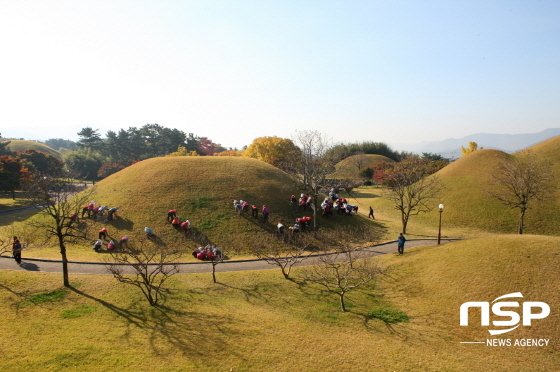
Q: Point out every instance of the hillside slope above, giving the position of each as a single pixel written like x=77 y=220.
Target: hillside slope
x=202 y=190
x=466 y=183
x=16 y=145
x=434 y=281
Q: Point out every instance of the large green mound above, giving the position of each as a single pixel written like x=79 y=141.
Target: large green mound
x=202 y=190
x=468 y=204
x=350 y=167
x=16 y=145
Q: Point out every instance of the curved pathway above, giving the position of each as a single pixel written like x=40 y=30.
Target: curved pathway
x=99 y=268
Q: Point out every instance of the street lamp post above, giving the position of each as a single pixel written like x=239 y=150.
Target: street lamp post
x=439 y=230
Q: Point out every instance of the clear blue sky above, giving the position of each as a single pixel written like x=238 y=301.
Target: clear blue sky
x=392 y=71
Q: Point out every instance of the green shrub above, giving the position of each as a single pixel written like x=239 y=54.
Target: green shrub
x=214 y=221
x=38 y=298
x=388 y=315
x=201 y=202
x=78 y=311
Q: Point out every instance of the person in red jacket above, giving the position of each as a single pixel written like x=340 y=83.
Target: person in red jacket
x=185 y=227
x=123 y=243
x=171 y=215
x=103 y=233
x=73 y=218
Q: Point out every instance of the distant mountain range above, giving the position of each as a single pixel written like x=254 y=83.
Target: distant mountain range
x=451 y=147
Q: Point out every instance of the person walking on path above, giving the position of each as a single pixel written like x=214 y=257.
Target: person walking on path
x=371 y=213
x=16 y=250
x=400 y=244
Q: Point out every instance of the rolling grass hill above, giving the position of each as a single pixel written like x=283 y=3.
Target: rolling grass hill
x=202 y=190
x=16 y=145
x=256 y=321
x=349 y=168
x=468 y=204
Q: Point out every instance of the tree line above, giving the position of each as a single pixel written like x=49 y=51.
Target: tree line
x=98 y=157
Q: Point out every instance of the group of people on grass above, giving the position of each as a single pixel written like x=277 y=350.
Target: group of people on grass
x=177 y=223
x=241 y=206
x=304 y=202
x=331 y=203
x=210 y=252
x=95 y=211
x=339 y=205
x=103 y=235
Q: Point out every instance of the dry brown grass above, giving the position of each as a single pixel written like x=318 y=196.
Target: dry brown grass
x=255 y=321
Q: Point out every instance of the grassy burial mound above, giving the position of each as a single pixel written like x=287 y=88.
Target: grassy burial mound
x=16 y=145
x=548 y=211
x=202 y=190
x=465 y=197
x=350 y=167
x=468 y=204
x=254 y=320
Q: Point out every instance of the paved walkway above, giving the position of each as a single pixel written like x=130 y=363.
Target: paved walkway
x=99 y=268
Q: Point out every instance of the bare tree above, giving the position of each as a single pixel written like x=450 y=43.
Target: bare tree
x=146 y=265
x=342 y=272
x=285 y=254
x=57 y=200
x=411 y=190
x=359 y=160
x=521 y=178
x=312 y=165
x=225 y=253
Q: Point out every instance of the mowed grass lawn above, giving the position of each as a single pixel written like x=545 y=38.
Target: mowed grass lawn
x=258 y=321
x=7 y=202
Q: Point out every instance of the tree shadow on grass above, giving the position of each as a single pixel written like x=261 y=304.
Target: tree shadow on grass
x=186 y=331
x=249 y=293
x=420 y=330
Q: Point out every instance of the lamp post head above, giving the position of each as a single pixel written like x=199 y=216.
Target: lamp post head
x=440 y=207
